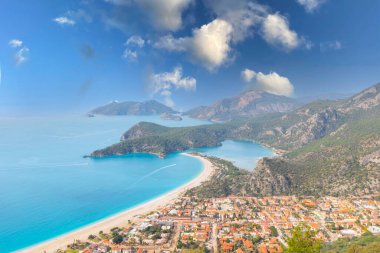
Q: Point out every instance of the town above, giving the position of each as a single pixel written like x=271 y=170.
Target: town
x=237 y=224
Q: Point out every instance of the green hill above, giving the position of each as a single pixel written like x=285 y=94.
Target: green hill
x=364 y=244
x=331 y=147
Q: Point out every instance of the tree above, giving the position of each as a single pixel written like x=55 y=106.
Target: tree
x=117 y=239
x=273 y=231
x=303 y=240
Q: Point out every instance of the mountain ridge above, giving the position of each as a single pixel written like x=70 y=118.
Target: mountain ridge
x=247 y=104
x=330 y=147
x=150 y=107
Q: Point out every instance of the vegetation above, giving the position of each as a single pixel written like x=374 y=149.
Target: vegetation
x=303 y=240
x=367 y=243
x=162 y=140
x=76 y=246
x=273 y=231
x=227 y=180
x=332 y=149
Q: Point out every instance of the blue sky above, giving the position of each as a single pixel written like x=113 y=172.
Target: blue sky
x=68 y=56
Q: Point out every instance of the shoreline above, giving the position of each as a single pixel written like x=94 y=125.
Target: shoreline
x=122 y=218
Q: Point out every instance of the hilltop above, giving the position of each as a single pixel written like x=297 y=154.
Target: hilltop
x=330 y=147
x=151 y=107
x=248 y=104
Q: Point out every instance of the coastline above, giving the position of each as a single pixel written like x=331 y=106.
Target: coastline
x=122 y=218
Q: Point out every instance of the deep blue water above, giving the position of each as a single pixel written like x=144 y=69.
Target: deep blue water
x=47 y=188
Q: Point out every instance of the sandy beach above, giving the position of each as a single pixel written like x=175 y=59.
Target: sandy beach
x=121 y=219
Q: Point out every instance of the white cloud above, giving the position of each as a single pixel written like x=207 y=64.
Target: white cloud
x=209 y=44
x=276 y=31
x=331 y=45
x=64 y=21
x=271 y=83
x=21 y=55
x=164 y=83
x=163 y=14
x=243 y=15
x=212 y=44
x=22 y=51
x=311 y=5
x=248 y=75
x=170 y=43
x=130 y=55
x=275 y=84
x=135 y=40
x=15 y=43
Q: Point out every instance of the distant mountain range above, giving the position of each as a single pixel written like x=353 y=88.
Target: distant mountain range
x=248 y=104
x=150 y=107
x=329 y=147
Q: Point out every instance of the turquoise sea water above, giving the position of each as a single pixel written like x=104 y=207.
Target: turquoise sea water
x=243 y=154
x=47 y=188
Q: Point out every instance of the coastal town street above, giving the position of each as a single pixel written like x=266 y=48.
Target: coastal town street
x=237 y=224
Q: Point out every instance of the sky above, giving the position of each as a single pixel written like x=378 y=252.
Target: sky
x=73 y=55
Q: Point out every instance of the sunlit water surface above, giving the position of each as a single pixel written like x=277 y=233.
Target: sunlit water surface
x=47 y=188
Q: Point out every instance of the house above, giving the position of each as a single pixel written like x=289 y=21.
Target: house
x=227 y=247
x=374 y=229
x=262 y=248
x=239 y=250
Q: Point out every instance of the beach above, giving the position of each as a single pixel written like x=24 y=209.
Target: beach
x=121 y=219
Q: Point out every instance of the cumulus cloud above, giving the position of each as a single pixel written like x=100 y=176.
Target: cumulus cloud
x=248 y=75
x=331 y=45
x=271 y=83
x=22 y=51
x=164 y=83
x=64 y=21
x=311 y=5
x=276 y=31
x=170 y=43
x=209 y=44
x=164 y=14
x=212 y=44
x=15 y=43
x=243 y=15
x=135 y=40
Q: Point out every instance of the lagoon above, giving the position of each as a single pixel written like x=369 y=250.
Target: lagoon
x=47 y=188
x=243 y=154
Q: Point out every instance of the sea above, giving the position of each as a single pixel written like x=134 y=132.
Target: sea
x=47 y=188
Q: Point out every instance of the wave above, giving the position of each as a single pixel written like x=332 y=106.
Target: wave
x=151 y=174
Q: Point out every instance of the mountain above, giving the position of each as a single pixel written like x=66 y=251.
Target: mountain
x=248 y=104
x=146 y=137
x=332 y=148
x=133 y=108
x=329 y=147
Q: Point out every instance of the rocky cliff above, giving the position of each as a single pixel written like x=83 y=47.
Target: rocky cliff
x=248 y=104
